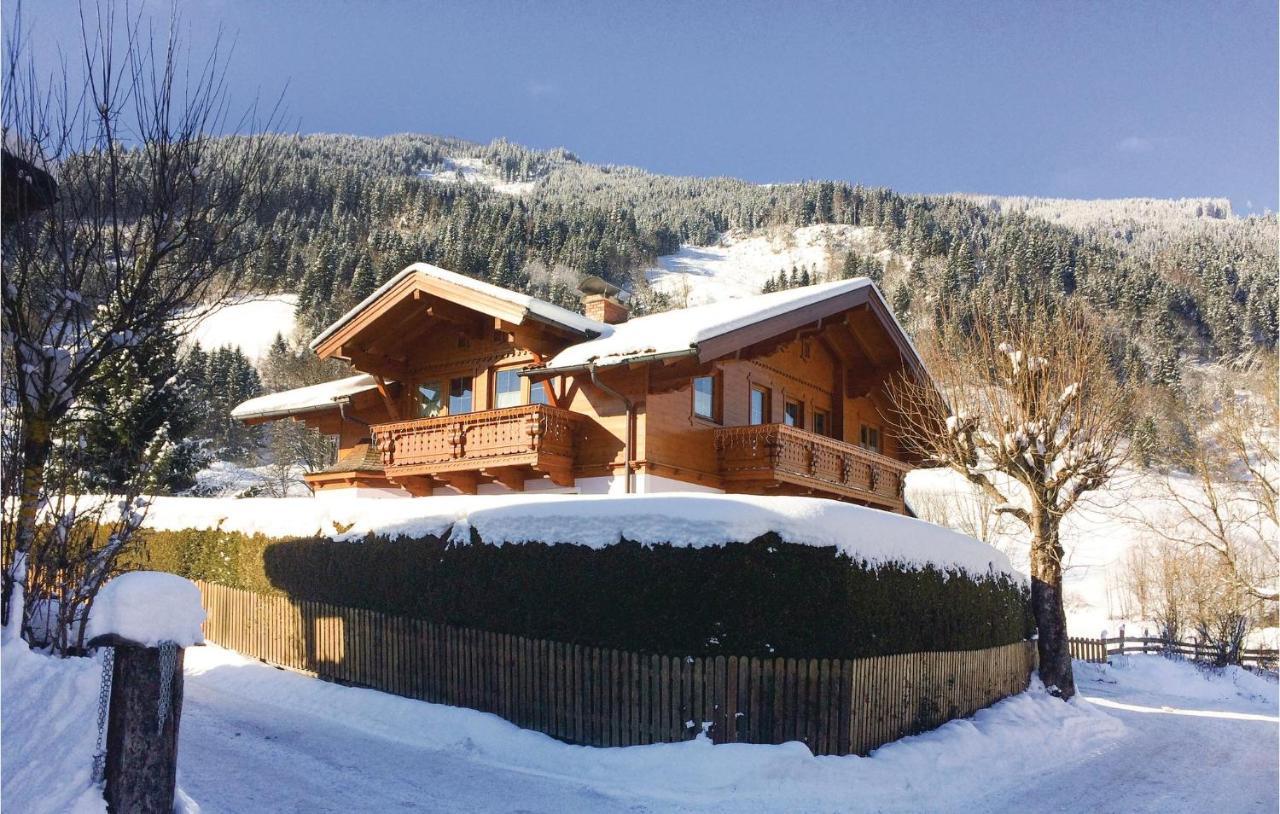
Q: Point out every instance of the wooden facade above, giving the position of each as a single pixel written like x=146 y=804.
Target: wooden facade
x=463 y=400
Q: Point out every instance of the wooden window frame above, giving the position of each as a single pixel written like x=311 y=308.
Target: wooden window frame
x=864 y=435
x=448 y=393
x=826 y=421
x=717 y=398
x=800 y=422
x=526 y=388
x=766 y=411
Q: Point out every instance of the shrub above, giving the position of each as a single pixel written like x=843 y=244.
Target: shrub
x=764 y=597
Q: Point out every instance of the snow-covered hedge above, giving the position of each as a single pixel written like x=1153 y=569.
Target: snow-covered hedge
x=677 y=575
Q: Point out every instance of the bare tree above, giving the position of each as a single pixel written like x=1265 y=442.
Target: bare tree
x=1224 y=495
x=1032 y=416
x=146 y=231
x=969 y=511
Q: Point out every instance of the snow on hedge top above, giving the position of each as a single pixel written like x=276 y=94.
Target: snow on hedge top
x=675 y=331
x=680 y=519
x=149 y=607
x=542 y=309
x=303 y=399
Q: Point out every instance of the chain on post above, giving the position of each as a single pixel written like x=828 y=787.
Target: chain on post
x=104 y=701
x=168 y=663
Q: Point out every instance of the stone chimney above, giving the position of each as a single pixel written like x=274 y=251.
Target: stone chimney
x=600 y=301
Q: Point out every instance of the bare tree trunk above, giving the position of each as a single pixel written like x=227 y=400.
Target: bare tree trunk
x=37 y=444
x=1046 y=604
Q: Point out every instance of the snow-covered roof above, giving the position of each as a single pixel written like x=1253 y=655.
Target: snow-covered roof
x=684 y=520
x=539 y=309
x=303 y=399
x=676 y=332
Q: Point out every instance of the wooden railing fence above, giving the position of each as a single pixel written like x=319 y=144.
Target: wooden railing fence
x=1101 y=650
x=606 y=697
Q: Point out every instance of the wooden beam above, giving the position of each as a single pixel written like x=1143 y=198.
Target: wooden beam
x=512 y=477
x=416 y=485
x=560 y=475
x=376 y=363
x=393 y=409
x=465 y=482
x=545 y=384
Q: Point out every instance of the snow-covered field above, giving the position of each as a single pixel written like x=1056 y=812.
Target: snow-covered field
x=1147 y=735
x=741 y=262
x=250 y=325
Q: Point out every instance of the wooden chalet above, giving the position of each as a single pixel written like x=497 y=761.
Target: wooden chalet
x=465 y=387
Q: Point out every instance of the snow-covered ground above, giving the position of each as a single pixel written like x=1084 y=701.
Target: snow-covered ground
x=1150 y=735
x=474 y=171
x=251 y=325
x=1147 y=734
x=741 y=262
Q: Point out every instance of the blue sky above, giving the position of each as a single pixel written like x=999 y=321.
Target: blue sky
x=1085 y=100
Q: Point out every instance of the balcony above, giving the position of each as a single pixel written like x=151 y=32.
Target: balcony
x=779 y=457
x=507 y=446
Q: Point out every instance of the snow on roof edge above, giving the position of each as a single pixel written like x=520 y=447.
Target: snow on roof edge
x=670 y=332
x=303 y=399
x=546 y=311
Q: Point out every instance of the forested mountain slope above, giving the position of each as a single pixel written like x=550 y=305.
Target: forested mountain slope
x=1191 y=282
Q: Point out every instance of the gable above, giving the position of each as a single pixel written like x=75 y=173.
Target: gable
x=405 y=307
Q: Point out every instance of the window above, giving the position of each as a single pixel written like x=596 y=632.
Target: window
x=821 y=422
x=460 y=395
x=704 y=398
x=793 y=414
x=430 y=401
x=538 y=390
x=508 y=389
x=759 y=413
x=870 y=438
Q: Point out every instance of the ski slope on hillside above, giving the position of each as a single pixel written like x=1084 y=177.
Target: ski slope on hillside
x=461 y=170
x=741 y=262
x=250 y=325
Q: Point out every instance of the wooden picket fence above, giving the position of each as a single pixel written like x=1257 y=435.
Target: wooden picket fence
x=1101 y=650
x=604 y=697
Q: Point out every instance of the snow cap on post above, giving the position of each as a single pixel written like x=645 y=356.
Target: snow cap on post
x=147 y=608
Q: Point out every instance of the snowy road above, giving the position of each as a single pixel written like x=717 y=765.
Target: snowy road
x=1157 y=736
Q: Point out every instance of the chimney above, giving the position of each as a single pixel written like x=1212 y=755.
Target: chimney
x=604 y=309
x=600 y=301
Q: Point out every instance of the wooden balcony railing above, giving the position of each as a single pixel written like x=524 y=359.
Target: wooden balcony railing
x=775 y=454
x=494 y=444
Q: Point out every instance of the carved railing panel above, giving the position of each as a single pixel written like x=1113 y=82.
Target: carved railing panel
x=783 y=453
x=486 y=437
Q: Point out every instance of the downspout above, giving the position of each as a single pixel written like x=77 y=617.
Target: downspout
x=631 y=424
x=342 y=412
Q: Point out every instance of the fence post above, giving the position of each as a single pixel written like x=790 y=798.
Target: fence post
x=141 y=766
x=146 y=618
x=1121 y=640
